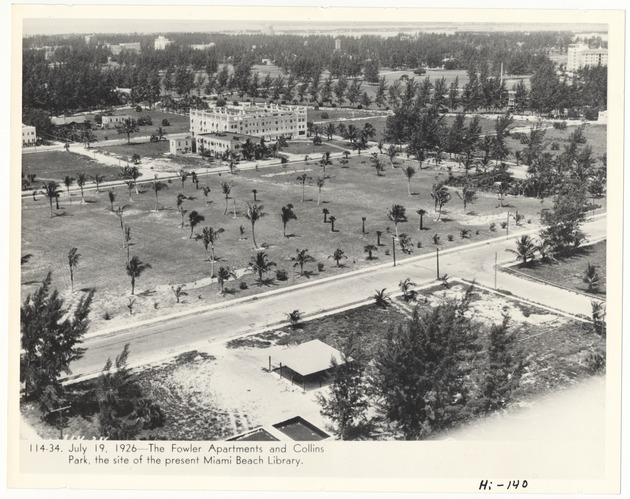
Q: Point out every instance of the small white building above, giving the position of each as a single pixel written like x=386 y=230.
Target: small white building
x=29 y=135
x=203 y=46
x=161 y=42
x=114 y=121
x=181 y=146
x=602 y=117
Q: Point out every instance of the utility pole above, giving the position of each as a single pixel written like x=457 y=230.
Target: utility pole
x=507 y=227
x=495 y=270
x=394 y=249
x=437 y=261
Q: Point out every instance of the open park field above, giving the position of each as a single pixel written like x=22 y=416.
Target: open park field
x=349 y=194
x=55 y=165
x=226 y=389
x=568 y=272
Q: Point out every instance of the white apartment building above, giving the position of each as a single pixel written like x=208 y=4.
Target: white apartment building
x=129 y=47
x=268 y=121
x=579 y=55
x=114 y=121
x=161 y=43
x=29 y=135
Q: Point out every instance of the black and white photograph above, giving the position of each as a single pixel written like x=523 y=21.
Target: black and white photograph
x=257 y=245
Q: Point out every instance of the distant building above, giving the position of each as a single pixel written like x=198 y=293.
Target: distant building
x=259 y=120
x=161 y=43
x=267 y=62
x=114 y=121
x=181 y=146
x=88 y=38
x=268 y=29
x=203 y=46
x=128 y=47
x=219 y=143
x=337 y=44
x=29 y=135
x=580 y=55
x=67 y=120
x=511 y=99
x=602 y=117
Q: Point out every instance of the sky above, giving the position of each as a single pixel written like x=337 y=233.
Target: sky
x=85 y=26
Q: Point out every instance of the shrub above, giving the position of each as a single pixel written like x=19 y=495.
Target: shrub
x=596 y=361
x=334 y=104
x=560 y=125
x=243 y=285
x=316 y=108
x=282 y=275
x=493 y=227
x=419 y=245
x=360 y=106
x=555 y=146
x=107 y=316
x=235 y=102
x=324 y=115
x=503 y=225
x=450 y=237
x=138 y=109
x=165 y=122
x=320 y=266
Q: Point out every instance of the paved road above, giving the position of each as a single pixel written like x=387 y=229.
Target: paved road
x=476 y=261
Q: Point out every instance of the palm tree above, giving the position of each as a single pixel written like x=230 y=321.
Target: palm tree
x=332 y=220
x=338 y=255
x=261 y=265
x=391 y=154
x=182 y=177
x=194 y=219
x=303 y=178
x=87 y=136
x=157 y=187
x=330 y=130
x=546 y=251
x=301 y=258
x=73 y=263
x=127 y=232
x=128 y=127
x=421 y=213
x=254 y=192
x=135 y=267
x=180 y=207
x=68 y=181
x=52 y=191
x=111 y=193
x=81 y=180
x=134 y=173
x=441 y=196
x=467 y=196
x=178 y=291
x=369 y=249
x=254 y=213
x=287 y=214
x=160 y=133
x=380 y=298
x=226 y=188
x=408 y=293
x=209 y=236
x=325 y=212
x=320 y=183
x=397 y=215
x=224 y=275
x=206 y=191
x=129 y=189
x=591 y=277
x=25 y=258
x=294 y=318
x=97 y=179
x=525 y=249
x=409 y=172
x=119 y=213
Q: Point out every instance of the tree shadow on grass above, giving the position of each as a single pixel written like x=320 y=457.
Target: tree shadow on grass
x=63 y=214
x=446 y=219
x=307 y=273
x=269 y=281
x=90 y=201
x=290 y=236
x=147 y=292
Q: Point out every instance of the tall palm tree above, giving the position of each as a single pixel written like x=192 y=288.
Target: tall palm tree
x=301 y=258
x=254 y=213
x=81 y=180
x=182 y=177
x=421 y=213
x=127 y=127
x=180 y=207
x=157 y=187
x=129 y=184
x=73 y=263
x=206 y=191
x=209 y=236
x=409 y=172
x=320 y=183
x=226 y=188
x=380 y=298
x=441 y=196
x=260 y=264
x=391 y=154
x=591 y=277
x=97 y=179
x=135 y=267
x=302 y=179
x=160 y=133
x=194 y=219
x=325 y=212
x=338 y=255
x=467 y=196
x=224 y=275
x=287 y=214
x=397 y=215
x=127 y=232
x=525 y=249
x=87 y=136
x=52 y=191
x=332 y=220
x=111 y=193
x=119 y=213
x=68 y=181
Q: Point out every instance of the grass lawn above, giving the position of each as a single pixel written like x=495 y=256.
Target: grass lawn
x=349 y=194
x=307 y=147
x=334 y=114
x=144 y=149
x=568 y=272
x=55 y=165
